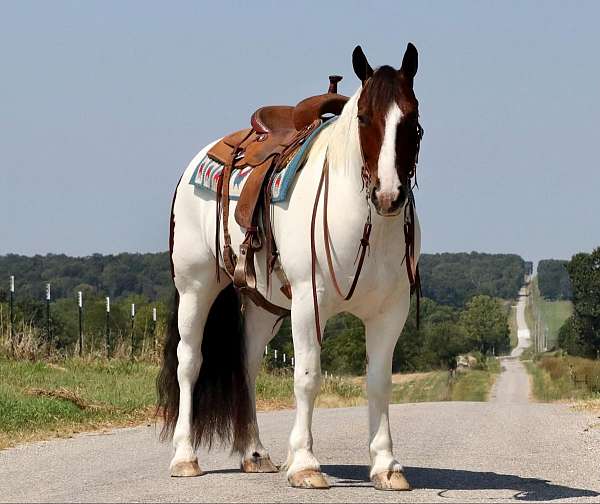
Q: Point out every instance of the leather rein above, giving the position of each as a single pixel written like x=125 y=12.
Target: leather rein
x=412 y=267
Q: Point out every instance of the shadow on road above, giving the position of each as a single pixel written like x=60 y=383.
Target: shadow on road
x=448 y=480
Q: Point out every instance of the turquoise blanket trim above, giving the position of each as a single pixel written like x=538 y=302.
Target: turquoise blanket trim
x=295 y=164
x=206 y=174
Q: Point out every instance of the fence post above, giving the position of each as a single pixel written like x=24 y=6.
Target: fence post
x=80 y=309
x=107 y=328
x=48 y=332
x=12 y=314
x=132 y=327
x=154 y=330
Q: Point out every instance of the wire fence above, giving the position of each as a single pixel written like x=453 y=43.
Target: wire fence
x=94 y=326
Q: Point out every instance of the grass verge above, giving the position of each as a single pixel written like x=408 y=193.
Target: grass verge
x=470 y=385
x=40 y=400
x=557 y=377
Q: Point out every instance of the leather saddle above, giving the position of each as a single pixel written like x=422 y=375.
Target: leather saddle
x=276 y=133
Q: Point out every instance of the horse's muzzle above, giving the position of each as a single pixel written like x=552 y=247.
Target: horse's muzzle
x=388 y=204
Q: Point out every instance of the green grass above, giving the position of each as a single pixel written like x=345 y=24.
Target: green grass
x=471 y=385
x=40 y=399
x=552 y=313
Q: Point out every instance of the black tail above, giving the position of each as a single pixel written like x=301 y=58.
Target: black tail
x=221 y=402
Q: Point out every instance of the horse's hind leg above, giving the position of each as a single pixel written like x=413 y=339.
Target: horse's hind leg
x=194 y=305
x=259 y=328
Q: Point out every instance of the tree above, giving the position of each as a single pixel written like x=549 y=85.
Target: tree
x=553 y=279
x=569 y=338
x=584 y=271
x=486 y=324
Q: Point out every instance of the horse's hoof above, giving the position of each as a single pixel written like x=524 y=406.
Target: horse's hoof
x=259 y=465
x=309 y=478
x=186 y=469
x=391 y=480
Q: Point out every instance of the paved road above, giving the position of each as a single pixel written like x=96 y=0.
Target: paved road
x=506 y=450
x=451 y=451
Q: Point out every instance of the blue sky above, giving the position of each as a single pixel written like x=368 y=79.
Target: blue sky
x=102 y=105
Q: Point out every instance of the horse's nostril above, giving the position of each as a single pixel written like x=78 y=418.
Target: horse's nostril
x=402 y=195
x=374 y=196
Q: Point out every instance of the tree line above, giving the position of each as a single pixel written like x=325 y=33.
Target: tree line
x=454 y=278
x=460 y=312
x=449 y=278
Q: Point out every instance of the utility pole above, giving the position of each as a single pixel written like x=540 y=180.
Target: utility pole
x=107 y=327
x=80 y=309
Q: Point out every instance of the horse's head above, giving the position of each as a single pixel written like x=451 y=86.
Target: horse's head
x=389 y=131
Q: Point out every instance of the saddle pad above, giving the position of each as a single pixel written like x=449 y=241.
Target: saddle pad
x=208 y=172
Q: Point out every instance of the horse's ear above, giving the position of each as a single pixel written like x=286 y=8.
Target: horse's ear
x=362 y=69
x=410 y=62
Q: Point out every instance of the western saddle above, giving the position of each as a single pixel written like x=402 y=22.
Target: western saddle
x=275 y=135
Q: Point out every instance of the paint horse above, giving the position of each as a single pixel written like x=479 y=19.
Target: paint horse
x=214 y=349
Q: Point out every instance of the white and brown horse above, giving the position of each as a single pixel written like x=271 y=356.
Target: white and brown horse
x=213 y=353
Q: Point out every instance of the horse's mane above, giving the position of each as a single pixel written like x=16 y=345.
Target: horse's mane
x=343 y=146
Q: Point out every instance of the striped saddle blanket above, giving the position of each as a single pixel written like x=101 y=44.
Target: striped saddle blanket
x=208 y=172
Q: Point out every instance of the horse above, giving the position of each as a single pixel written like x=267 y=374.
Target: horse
x=216 y=339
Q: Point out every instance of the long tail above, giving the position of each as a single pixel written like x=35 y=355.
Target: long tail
x=221 y=402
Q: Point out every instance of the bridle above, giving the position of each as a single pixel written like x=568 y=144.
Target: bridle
x=412 y=268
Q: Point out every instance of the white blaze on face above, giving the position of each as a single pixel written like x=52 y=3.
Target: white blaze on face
x=389 y=183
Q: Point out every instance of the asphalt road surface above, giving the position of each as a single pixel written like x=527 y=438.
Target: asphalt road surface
x=505 y=450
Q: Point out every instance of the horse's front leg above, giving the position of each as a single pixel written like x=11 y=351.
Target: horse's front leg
x=382 y=332
x=303 y=469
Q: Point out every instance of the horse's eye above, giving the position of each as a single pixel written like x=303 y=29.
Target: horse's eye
x=363 y=120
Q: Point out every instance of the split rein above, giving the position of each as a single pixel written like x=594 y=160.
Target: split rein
x=412 y=268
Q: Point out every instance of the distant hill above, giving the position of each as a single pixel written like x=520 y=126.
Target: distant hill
x=116 y=276
x=446 y=278
x=453 y=279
